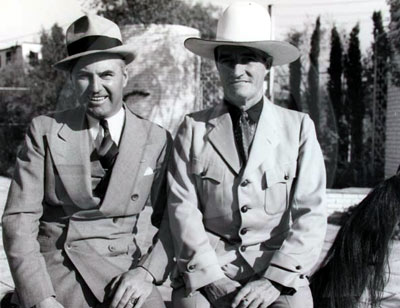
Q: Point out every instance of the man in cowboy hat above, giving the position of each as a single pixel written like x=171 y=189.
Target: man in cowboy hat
x=247 y=181
x=82 y=178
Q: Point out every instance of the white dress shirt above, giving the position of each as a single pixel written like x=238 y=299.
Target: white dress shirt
x=115 y=124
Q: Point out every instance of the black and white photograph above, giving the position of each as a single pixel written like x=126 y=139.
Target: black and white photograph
x=200 y=154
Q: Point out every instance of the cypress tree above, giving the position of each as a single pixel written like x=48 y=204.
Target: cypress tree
x=354 y=98
x=313 y=75
x=335 y=91
x=295 y=75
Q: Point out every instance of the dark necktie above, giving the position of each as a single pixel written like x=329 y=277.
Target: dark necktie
x=247 y=130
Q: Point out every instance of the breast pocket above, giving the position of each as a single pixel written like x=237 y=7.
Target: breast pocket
x=278 y=183
x=208 y=178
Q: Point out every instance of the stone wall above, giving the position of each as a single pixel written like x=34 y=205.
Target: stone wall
x=164 y=82
x=341 y=199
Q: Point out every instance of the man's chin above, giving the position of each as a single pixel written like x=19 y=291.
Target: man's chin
x=96 y=112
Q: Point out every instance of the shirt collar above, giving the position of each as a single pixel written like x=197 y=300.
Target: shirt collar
x=115 y=124
x=254 y=111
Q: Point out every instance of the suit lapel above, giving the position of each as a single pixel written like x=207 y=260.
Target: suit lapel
x=265 y=140
x=70 y=152
x=124 y=175
x=221 y=136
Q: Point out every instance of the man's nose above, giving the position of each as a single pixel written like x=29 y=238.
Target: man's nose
x=238 y=69
x=95 y=84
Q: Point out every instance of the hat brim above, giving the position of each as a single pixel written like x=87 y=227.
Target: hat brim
x=125 y=51
x=281 y=52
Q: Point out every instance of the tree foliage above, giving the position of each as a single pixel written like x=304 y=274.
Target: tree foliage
x=295 y=75
x=394 y=34
x=354 y=96
x=17 y=108
x=159 y=12
x=44 y=81
x=335 y=92
x=377 y=106
x=313 y=75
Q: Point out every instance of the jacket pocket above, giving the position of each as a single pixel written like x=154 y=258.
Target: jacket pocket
x=278 y=183
x=207 y=172
x=208 y=178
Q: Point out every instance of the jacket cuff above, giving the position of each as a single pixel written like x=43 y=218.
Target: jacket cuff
x=286 y=271
x=32 y=298
x=200 y=271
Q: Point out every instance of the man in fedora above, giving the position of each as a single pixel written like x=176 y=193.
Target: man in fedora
x=247 y=181
x=81 y=181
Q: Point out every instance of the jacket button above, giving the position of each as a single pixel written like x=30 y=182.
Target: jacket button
x=302 y=276
x=243 y=248
x=134 y=197
x=111 y=248
x=68 y=246
x=243 y=231
x=286 y=177
x=244 y=209
x=203 y=173
x=245 y=183
x=298 y=267
x=191 y=267
x=115 y=220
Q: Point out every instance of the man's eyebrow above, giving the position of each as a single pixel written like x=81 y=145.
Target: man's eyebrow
x=81 y=71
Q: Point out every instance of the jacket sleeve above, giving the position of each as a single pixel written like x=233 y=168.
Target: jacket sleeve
x=291 y=264
x=196 y=259
x=21 y=222
x=158 y=261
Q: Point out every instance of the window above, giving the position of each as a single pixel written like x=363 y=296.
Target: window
x=33 y=58
x=9 y=57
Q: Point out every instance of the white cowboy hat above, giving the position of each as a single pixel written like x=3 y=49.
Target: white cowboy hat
x=247 y=24
x=91 y=34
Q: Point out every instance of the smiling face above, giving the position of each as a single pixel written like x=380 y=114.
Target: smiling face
x=98 y=82
x=242 y=71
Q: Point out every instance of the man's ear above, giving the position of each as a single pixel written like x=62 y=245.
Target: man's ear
x=125 y=75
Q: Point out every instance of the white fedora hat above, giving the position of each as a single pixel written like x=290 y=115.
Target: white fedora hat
x=248 y=24
x=92 y=34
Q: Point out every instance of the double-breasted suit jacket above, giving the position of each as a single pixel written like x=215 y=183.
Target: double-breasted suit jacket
x=271 y=212
x=51 y=218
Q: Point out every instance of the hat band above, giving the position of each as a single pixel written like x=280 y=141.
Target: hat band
x=93 y=42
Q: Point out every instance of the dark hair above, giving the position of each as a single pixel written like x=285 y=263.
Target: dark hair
x=358 y=258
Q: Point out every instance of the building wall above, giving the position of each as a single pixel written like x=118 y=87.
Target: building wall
x=20 y=54
x=164 y=78
x=339 y=200
x=392 y=148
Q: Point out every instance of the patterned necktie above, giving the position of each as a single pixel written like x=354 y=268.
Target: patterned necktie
x=247 y=130
x=106 y=154
x=108 y=150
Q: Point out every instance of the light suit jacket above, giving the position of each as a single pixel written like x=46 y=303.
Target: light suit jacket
x=272 y=212
x=50 y=213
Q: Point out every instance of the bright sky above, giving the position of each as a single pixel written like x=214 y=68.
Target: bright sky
x=22 y=18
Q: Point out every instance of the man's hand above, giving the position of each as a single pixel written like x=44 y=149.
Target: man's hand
x=256 y=294
x=220 y=293
x=131 y=288
x=49 y=302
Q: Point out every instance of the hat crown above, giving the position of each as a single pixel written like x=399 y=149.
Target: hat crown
x=92 y=25
x=244 y=21
x=92 y=34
